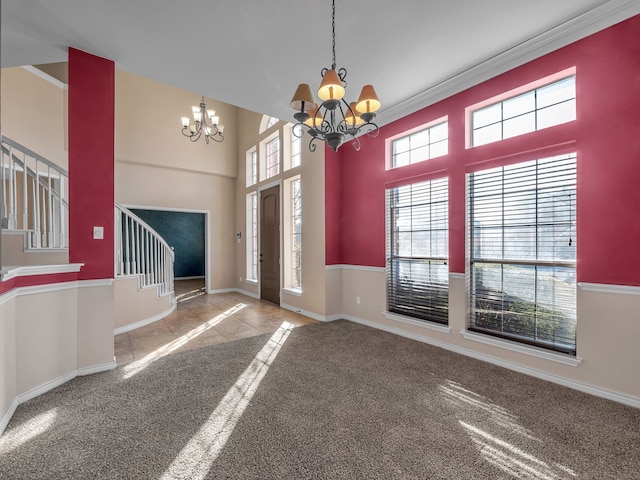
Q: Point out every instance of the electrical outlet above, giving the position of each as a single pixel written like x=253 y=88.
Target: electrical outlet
x=240 y=279
x=358 y=300
x=98 y=233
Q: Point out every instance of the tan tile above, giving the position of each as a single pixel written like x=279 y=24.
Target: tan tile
x=154 y=329
x=203 y=341
x=235 y=329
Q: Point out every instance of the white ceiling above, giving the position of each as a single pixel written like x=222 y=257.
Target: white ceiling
x=253 y=53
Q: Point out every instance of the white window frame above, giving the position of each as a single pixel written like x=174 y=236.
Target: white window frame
x=533 y=113
x=504 y=300
x=423 y=151
x=264 y=160
x=251 y=242
x=293 y=258
x=418 y=296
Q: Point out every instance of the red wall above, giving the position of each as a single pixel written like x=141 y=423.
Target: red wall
x=91 y=163
x=606 y=136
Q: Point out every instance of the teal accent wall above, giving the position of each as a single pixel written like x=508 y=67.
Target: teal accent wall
x=184 y=231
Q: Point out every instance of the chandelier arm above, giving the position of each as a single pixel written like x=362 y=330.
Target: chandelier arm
x=312 y=146
x=356 y=144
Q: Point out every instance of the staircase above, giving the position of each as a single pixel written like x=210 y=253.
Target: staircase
x=34 y=213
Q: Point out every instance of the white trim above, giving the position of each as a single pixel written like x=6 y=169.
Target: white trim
x=7 y=416
x=104 y=367
x=51 y=384
x=456 y=276
x=29 y=270
x=169 y=167
x=590 y=22
x=45 y=387
x=307 y=313
x=45 y=76
x=251 y=281
x=222 y=290
x=266 y=186
x=522 y=348
x=146 y=321
x=574 y=384
x=608 y=288
x=417 y=323
x=247 y=293
x=292 y=291
x=107 y=282
x=364 y=268
x=52 y=287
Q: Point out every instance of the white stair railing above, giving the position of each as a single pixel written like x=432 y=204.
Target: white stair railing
x=141 y=251
x=33 y=196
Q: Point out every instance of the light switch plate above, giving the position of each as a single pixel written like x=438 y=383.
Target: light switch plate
x=98 y=233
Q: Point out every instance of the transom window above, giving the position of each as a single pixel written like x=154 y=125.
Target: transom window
x=423 y=145
x=252 y=167
x=536 y=109
x=272 y=154
x=296 y=145
x=522 y=249
x=418 y=250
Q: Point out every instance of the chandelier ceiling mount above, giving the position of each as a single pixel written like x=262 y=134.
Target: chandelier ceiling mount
x=335 y=120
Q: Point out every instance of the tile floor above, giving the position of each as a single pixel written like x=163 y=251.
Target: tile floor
x=200 y=320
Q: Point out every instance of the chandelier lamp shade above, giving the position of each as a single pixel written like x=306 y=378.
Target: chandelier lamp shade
x=334 y=120
x=204 y=123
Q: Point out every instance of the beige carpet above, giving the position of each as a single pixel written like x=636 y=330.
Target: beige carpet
x=337 y=400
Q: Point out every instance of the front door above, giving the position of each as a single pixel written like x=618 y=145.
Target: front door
x=270 y=245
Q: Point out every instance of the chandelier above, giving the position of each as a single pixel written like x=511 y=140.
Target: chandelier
x=334 y=121
x=204 y=122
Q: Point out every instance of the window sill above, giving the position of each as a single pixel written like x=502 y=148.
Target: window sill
x=521 y=348
x=293 y=291
x=251 y=281
x=418 y=323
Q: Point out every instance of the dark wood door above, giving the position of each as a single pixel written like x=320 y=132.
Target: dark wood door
x=270 y=245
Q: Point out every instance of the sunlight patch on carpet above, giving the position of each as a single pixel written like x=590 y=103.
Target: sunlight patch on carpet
x=30 y=429
x=135 y=367
x=198 y=455
x=513 y=460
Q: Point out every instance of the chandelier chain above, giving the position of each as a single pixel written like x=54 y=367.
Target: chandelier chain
x=333 y=33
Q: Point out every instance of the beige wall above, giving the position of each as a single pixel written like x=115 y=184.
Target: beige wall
x=33 y=113
x=8 y=392
x=610 y=358
x=51 y=333
x=132 y=305
x=156 y=166
x=311 y=172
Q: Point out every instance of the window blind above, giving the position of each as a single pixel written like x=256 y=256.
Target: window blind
x=417 y=250
x=522 y=252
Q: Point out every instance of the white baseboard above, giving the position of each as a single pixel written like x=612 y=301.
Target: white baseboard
x=146 y=321
x=8 y=415
x=104 y=367
x=50 y=385
x=567 y=382
x=307 y=313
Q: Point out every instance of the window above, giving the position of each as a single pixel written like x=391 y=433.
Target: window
x=296 y=233
x=266 y=123
x=522 y=252
x=296 y=145
x=536 y=109
x=417 y=250
x=252 y=236
x=272 y=157
x=252 y=167
x=422 y=145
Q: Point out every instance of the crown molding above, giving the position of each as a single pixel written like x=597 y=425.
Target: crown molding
x=590 y=22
